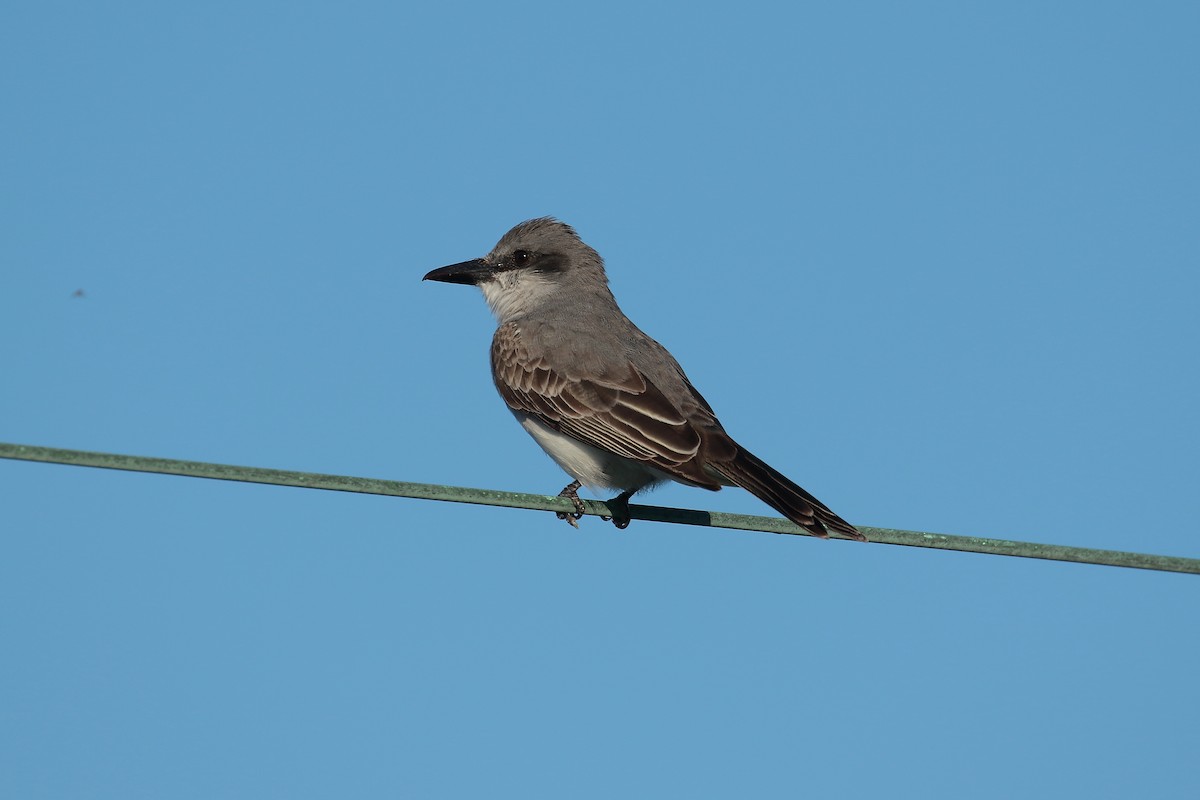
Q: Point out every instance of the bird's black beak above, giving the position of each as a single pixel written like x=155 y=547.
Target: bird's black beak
x=468 y=272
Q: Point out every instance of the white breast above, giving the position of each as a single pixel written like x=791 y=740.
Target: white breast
x=595 y=468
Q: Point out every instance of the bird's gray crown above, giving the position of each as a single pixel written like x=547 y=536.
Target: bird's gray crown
x=537 y=232
x=544 y=245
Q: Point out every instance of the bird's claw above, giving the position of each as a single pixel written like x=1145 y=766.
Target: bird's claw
x=619 y=505
x=571 y=492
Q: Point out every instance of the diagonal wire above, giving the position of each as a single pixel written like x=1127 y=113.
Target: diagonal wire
x=538 y=502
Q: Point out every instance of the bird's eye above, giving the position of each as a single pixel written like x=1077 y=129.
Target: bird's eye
x=521 y=257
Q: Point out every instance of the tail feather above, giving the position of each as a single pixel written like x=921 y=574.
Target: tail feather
x=767 y=484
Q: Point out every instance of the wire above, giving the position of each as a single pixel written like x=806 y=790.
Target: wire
x=538 y=502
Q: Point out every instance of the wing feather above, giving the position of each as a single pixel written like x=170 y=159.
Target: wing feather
x=622 y=411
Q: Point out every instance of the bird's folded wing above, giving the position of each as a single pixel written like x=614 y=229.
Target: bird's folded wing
x=620 y=410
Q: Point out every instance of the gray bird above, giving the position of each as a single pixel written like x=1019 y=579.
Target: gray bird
x=609 y=404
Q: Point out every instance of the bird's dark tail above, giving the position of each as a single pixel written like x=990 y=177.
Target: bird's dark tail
x=760 y=479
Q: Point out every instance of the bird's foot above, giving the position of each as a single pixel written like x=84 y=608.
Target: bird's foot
x=571 y=492
x=619 y=505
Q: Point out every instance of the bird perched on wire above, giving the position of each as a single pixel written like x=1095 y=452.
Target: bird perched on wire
x=609 y=404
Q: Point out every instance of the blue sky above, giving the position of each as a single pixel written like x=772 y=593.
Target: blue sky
x=935 y=261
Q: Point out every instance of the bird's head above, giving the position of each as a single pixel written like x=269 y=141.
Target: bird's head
x=537 y=262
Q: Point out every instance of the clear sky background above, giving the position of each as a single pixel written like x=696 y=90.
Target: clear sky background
x=936 y=261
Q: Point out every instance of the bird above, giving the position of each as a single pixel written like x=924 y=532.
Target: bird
x=610 y=405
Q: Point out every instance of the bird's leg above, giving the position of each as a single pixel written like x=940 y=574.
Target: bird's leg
x=619 y=505
x=571 y=492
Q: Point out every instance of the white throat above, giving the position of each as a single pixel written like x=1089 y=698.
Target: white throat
x=515 y=293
